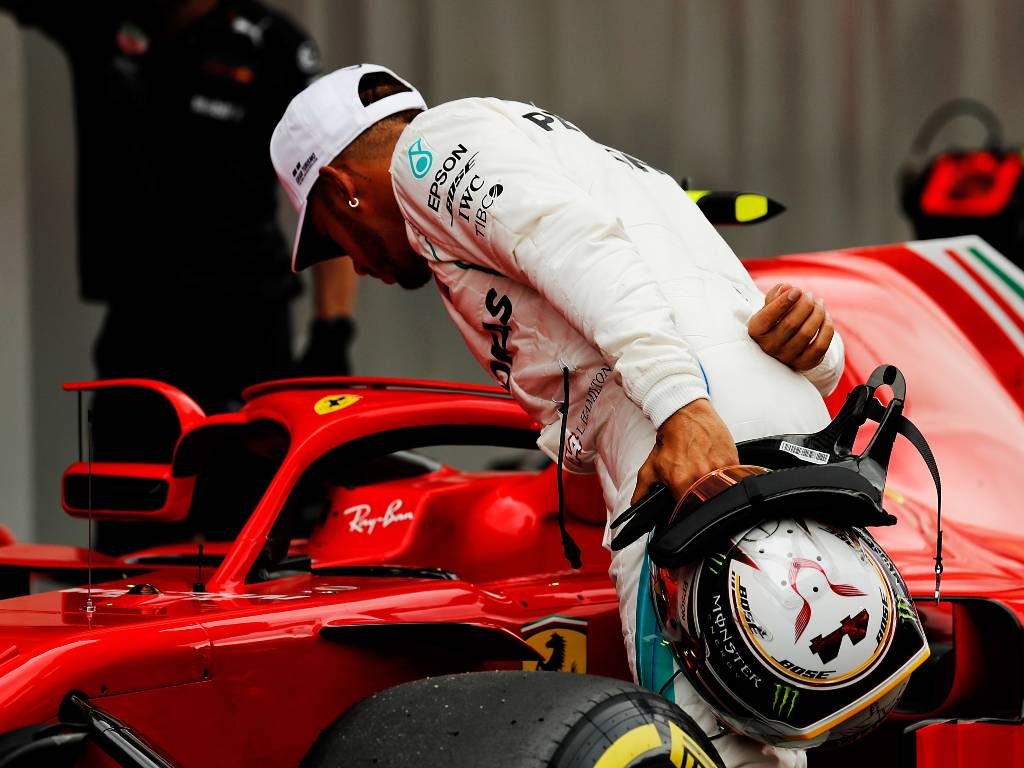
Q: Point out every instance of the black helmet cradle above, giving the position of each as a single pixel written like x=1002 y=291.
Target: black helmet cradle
x=816 y=473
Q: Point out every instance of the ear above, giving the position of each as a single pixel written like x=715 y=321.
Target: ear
x=341 y=181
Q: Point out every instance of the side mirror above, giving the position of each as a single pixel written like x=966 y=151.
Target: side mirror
x=127 y=490
x=734 y=208
x=117 y=491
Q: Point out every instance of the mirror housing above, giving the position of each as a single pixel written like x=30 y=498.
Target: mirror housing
x=128 y=490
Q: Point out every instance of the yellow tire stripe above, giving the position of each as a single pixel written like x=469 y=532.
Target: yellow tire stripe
x=697 y=194
x=630 y=746
x=676 y=755
x=693 y=752
x=644 y=738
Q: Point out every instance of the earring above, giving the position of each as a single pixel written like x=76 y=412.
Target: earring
x=353 y=203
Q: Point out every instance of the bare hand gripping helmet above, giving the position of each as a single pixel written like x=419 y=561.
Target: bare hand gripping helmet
x=783 y=612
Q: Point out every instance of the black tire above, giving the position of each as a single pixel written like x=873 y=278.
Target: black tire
x=514 y=720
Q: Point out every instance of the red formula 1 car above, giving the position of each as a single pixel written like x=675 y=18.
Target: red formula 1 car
x=325 y=556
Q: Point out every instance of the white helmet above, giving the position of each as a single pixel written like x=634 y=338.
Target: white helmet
x=796 y=632
x=784 y=613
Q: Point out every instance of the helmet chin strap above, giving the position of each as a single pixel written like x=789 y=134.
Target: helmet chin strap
x=875 y=458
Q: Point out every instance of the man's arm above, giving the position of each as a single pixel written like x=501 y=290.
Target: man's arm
x=333 y=327
x=795 y=328
x=293 y=62
x=334 y=289
x=692 y=442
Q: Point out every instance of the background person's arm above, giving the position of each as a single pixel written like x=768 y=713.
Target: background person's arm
x=293 y=62
x=333 y=328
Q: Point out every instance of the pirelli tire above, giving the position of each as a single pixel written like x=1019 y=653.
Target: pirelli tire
x=514 y=720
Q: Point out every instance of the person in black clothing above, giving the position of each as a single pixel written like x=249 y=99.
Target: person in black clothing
x=175 y=103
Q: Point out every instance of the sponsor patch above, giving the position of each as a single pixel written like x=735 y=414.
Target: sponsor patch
x=132 y=40
x=726 y=645
x=243 y=26
x=441 y=176
x=631 y=162
x=307 y=57
x=784 y=700
x=454 y=187
x=301 y=169
x=500 y=309
x=361 y=518
x=562 y=642
x=575 y=438
x=334 y=403
x=807 y=454
x=420 y=159
x=481 y=216
x=218 y=109
x=549 y=120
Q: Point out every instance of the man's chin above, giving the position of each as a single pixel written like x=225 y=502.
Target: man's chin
x=412 y=282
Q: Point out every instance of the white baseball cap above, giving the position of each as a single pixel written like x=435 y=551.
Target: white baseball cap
x=318 y=124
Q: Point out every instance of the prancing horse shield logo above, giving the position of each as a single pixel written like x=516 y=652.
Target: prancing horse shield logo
x=561 y=641
x=334 y=403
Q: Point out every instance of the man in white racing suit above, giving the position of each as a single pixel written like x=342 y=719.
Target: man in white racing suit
x=561 y=259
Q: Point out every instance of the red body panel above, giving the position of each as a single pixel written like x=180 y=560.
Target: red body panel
x=189 y=414
x=240 y=673
x=967 y=403
x=964 y=744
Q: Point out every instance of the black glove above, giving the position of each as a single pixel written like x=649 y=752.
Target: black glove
x=327 y=353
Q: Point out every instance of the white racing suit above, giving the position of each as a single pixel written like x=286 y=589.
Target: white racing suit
x=555 y=253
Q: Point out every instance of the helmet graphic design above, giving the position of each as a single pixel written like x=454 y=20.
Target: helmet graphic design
x=805 y=612
x=792 y=628
x=783 y=612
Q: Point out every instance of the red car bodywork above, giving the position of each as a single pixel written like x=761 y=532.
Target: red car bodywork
x=251 y=670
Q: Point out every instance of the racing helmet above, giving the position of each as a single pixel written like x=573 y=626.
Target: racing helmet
x=796 y=631
x=783 y=612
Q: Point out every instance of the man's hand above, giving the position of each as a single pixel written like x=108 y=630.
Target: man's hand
x=793 y=327
x=691 y=443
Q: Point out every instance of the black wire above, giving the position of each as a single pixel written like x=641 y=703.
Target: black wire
x=569 y=546
x=722 y=731
x=89 y=439
x=910 y=431
x=79 y=425
x=668 y=682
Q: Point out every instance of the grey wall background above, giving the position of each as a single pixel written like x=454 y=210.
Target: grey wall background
x=814 y=102
x=16 y=444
